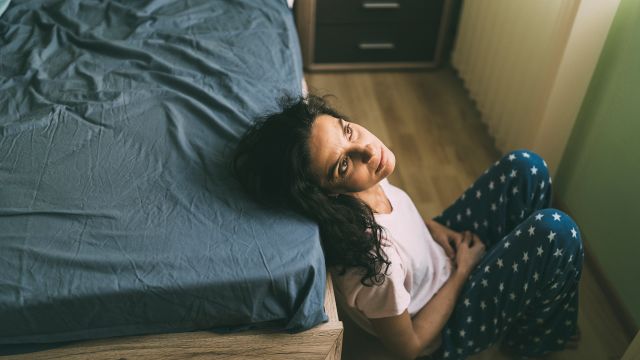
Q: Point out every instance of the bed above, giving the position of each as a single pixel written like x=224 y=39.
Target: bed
x=122 y=231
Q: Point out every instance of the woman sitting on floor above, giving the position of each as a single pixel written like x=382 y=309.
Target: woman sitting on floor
x=496 y=262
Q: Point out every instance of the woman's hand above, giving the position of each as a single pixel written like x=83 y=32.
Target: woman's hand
x=445 y=237
x=470 y=252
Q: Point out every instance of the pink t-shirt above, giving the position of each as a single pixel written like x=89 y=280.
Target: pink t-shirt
x=419 y=267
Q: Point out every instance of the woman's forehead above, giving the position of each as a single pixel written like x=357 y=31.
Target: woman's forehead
x=324 y=145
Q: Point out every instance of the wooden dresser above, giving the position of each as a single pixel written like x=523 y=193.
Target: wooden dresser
x=369 y=34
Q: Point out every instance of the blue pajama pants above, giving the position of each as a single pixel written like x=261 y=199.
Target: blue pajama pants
x=524 y=291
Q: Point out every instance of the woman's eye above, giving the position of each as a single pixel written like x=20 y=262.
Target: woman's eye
x=343 y=166
x=348 y=131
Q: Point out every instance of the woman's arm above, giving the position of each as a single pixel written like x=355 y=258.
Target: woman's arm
x=408 y=337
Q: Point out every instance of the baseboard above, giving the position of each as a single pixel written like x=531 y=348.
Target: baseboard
x=623 y=315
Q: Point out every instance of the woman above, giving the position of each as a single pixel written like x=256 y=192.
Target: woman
x=496 y=262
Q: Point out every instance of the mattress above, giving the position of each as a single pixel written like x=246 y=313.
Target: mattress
x=118 y=212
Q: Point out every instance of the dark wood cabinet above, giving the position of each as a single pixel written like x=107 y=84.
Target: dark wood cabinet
x=359 y=34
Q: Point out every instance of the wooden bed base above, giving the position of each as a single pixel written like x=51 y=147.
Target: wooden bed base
x=321 y=342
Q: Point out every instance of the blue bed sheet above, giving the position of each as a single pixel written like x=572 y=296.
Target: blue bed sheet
x=118 y=212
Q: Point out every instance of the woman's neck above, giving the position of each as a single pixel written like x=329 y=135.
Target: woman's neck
x=376 y=199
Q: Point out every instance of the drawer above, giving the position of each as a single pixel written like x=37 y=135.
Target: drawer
x=342 y=43
x=360 y=11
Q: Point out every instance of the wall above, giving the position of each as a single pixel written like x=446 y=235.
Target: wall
x=598 y=178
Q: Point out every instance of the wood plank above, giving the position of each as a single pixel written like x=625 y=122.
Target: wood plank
x=316 y=344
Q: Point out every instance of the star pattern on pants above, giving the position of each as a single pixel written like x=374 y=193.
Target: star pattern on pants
x=515 y=274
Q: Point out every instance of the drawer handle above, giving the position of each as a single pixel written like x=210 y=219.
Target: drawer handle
x=376 y=46
x=380 y=5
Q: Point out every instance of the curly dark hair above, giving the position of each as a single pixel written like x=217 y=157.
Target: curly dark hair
x=272 y=161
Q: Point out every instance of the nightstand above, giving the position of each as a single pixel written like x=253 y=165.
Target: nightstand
x=371 y=34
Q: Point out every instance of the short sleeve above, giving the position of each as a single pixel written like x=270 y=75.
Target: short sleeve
x=390 y=298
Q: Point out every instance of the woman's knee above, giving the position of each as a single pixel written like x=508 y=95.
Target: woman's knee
x=556 y=227
x=527 y=163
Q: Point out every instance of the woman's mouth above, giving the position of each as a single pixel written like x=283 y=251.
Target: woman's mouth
x=381 y=163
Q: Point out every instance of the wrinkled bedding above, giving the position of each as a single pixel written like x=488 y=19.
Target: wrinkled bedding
x=118 y=212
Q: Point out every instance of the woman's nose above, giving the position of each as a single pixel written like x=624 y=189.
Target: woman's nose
x=366 y=152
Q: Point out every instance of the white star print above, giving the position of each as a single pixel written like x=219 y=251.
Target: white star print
x=534 y=170
x=512 y=157
x=446 y=354
x=507 y=244
x=496 y=163
x=478 y=194
x=463 y=196
x=514 y=172
x=468 y=212
x=542 y=184
x=475 y=225
x=515 y=190
x=512 y=296
x=501 y=287
x=495 y=299
x=494 y=207
x=531 y=230
x=470 y=342
x=540 y=251
x=574 y=233
x=525 y=257
x=466 y=302
x=518 y=232
x=521 y=214
x=491 y=185
x=515 y=266
x=558 y=253
x=462 y=333
x=485 y=283
x=555 y=285
x=469 y=320
x=536 y=276
x=539 y=216
x=556 y=216
x=459 y=217
x=502 y=178
x=483 y=305
x=486 y=268
x=551 y=236
x=570 y=258
x=526 y=286
x=500 y=200
x=482 y=328
x=499 y=262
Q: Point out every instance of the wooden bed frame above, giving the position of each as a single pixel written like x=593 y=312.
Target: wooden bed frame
x=321 y=342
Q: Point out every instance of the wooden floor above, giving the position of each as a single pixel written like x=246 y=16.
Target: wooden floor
x=441 y=147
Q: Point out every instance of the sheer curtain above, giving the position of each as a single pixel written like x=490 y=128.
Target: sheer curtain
x=527 y=65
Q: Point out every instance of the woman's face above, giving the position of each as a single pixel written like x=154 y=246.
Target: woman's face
x=346 y=157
